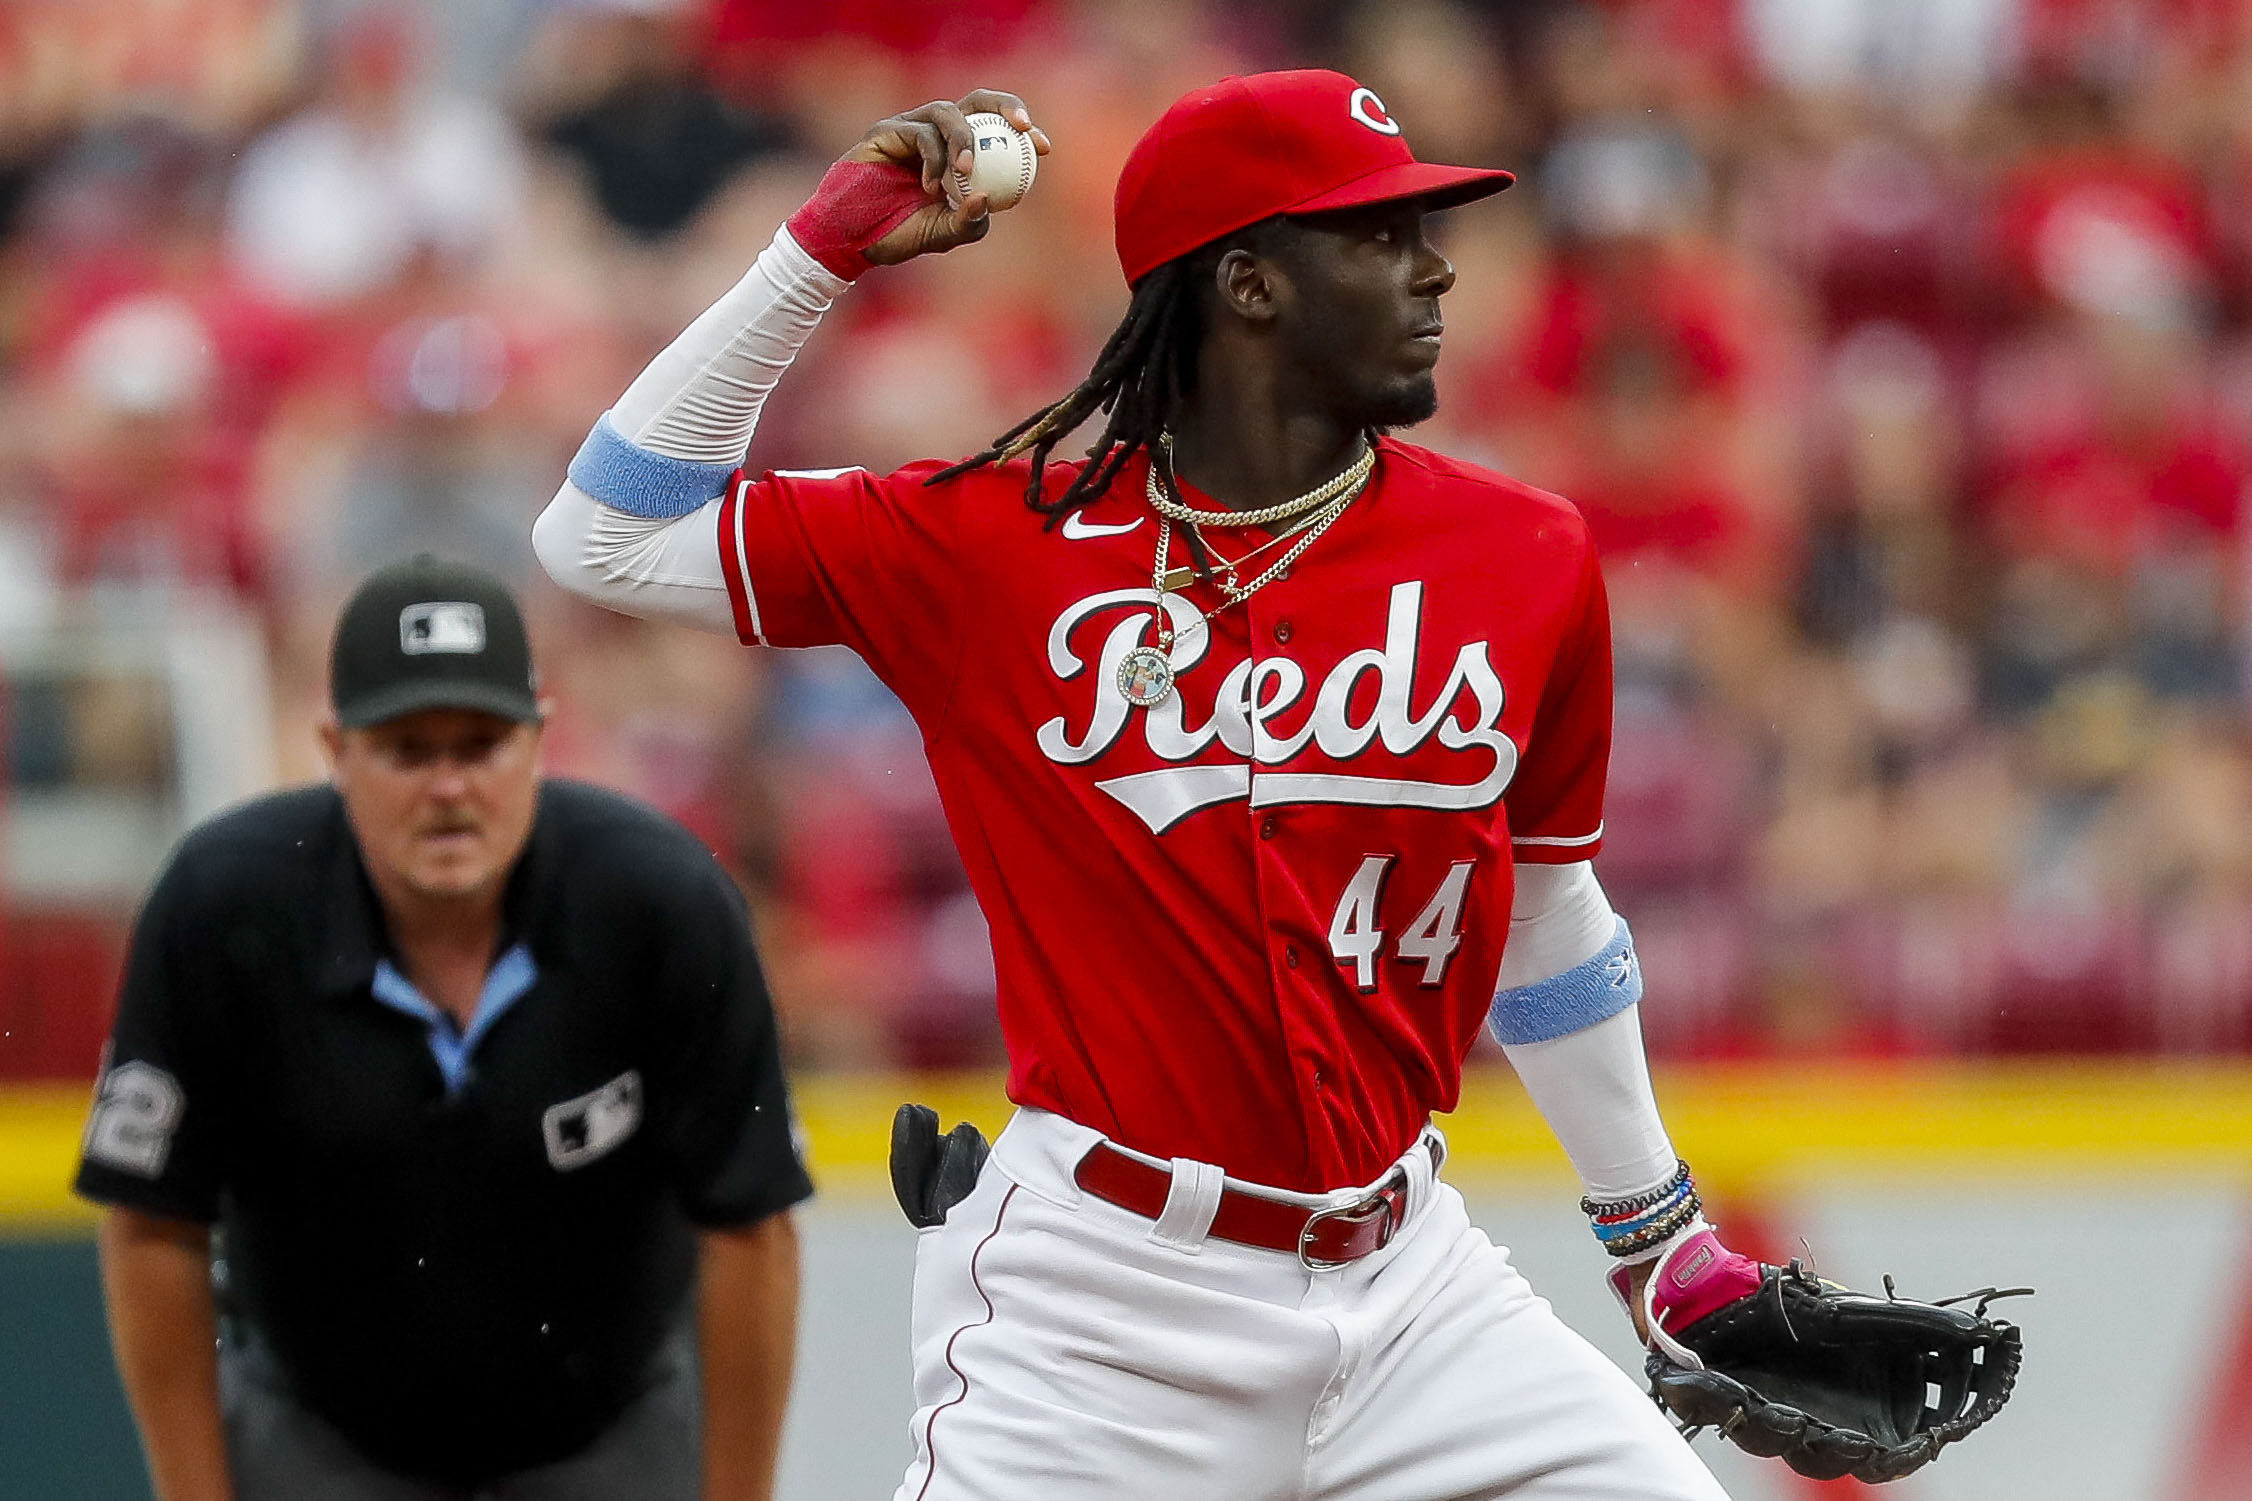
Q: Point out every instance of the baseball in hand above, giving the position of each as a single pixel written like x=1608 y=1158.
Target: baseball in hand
x=1004 y=164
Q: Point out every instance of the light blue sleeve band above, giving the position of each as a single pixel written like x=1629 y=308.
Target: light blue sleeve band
x=640 y=483
x=1574 y=1000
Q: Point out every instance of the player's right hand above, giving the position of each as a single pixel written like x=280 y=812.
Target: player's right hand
x=936 y=141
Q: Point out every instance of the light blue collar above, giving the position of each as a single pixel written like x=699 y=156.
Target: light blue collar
x=512 y=974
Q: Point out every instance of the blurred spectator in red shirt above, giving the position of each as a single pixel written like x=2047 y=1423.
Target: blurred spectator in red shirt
x=747 y=29
x=138 y=491
x=1627 y=386
x=156 y=367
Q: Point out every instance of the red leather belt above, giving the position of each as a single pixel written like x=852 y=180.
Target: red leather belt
x=1318 y=1237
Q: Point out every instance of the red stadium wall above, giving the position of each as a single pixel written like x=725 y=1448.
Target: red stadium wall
x=58 y=974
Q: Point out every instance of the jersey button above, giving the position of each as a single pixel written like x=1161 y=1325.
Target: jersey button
x=1290 y=956
x=1282 y=630
x=1267 y=827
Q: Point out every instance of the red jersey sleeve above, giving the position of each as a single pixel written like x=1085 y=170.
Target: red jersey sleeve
x=849 y=558
x=1555 y=802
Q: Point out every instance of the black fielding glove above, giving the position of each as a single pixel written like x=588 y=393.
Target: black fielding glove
x=1830 y=1381
x=930 y=1173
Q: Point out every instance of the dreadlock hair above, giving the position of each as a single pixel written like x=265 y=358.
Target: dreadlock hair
x=1146 y=371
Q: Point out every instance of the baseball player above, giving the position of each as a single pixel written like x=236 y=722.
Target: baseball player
x=1274 y=746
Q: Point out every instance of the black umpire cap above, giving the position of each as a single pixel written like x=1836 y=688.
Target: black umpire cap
x=430 y=634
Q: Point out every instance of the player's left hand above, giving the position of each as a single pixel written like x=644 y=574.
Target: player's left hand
x=1831 y=1381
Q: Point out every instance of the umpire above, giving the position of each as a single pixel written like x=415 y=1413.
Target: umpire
x=476 y=1075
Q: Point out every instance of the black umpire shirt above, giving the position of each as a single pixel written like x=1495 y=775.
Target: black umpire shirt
x=464 y=1247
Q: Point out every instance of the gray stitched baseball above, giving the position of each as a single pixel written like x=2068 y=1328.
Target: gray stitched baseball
x=1004 y=165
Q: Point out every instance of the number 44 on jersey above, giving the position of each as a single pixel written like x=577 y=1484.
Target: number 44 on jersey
x=1430 y=938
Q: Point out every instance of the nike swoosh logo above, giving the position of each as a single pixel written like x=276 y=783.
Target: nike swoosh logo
x=1078 y=528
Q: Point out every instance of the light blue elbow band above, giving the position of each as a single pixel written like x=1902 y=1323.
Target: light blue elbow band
x=1572 y=1001
x=640 y=483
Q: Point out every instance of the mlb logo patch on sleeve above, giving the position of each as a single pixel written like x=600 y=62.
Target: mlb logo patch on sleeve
x=456 y=626
x=580 y=1130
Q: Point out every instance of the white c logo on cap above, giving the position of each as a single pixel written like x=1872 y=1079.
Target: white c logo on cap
x=1370 y=111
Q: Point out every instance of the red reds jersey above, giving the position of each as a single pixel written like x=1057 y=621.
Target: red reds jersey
x=1257 y=924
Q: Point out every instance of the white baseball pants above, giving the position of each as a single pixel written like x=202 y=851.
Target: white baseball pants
x=1066 y=1350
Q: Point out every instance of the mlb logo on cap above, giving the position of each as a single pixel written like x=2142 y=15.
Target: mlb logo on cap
x=429 y=634
x=455 y=625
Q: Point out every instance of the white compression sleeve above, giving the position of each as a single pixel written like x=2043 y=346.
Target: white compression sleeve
x=1559 y=918
x=1593 y=1089
x=1592 y=1086
x=700 y=398
x=650 y=567
x=698 y=401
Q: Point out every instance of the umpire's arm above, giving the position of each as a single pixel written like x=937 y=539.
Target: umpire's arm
x=153 y=1159
x=734 y=1163
x=156 y=1276
x=746 y=1332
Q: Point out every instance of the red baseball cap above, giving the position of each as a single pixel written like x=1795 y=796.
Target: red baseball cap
x=1248 y=148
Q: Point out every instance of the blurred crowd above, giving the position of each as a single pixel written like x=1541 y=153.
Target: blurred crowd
x=1898 y=351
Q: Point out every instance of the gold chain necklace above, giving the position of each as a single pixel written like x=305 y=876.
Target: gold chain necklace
x=1351 y=477
x=1183 y=576
x=1145 y=674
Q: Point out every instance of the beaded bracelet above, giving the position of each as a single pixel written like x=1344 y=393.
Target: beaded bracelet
x=1656 y=1232
x=1631 y=1226
x=1648 y=1199
x=1608 y=1231
x=1663 y=1205
x=1681 y=1208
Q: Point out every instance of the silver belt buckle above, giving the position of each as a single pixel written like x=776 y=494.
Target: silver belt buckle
x=1360 y=1211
